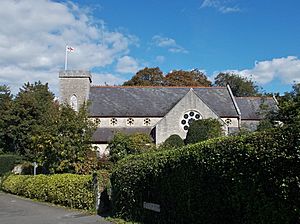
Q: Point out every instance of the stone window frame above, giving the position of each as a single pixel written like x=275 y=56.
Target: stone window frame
x=130 y=121
x=188 y=117
x=147 y=121
x=113 y=121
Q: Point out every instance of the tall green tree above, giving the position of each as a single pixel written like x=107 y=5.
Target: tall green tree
x=6 y=104
x=146 y=77
x=32 y=107
x=240 y=86
x=186 y=78
x=64 y=147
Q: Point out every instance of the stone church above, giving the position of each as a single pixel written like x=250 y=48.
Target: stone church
x=158 y=111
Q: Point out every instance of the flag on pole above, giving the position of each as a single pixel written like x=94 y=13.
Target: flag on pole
x=70 y=49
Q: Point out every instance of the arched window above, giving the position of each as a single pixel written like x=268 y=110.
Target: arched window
x=73 y=102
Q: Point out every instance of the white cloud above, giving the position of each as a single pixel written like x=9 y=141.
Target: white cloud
x=169 y=43
x=127 y=64
x=286 y=69
x=33 y=35
x=107 y=79
x=223 y=6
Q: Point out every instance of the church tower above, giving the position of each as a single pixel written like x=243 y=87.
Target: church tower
x=74 y=87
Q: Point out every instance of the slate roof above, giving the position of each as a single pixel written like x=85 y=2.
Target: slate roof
x=252 y=108
x=106 y=134
x=122 y=101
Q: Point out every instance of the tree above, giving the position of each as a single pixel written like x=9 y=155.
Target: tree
x=32 y=108
x=289 y=107
x=201 y=130
x=146 y=77
x=186 y=78
x=6 y=103
x=122 y=145
x=240 y=86
x=66 y=146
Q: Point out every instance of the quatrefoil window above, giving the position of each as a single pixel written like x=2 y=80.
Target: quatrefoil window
x=113 y=121
x=147 y=121
x=130 y=121
x=228 y=121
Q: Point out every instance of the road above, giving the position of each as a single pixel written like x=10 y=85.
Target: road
x=16 y=210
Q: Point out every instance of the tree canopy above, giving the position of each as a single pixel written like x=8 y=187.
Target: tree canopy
x=146 y=77
x=240 y=86
x=186 y=78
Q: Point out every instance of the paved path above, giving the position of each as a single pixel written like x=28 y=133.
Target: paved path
x=16 y=210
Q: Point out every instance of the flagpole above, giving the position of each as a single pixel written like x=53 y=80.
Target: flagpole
x=66 y=58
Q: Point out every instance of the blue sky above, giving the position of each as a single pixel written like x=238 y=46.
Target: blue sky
x=116 y=38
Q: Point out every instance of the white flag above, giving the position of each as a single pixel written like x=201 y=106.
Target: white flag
x=70 y=49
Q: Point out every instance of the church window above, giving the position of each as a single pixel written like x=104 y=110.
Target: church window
x=73 y=103
x=228 y=121
x=130 y=121
x=147 y=121
x=113 y=121
x=188 y=118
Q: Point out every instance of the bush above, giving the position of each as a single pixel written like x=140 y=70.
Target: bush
x=203 y=129
x=174 y=141
x=122 y=145
x=242 y=179
x=75 y=191
x=7 y=162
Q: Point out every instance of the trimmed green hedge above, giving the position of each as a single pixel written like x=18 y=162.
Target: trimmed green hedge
x=75 y=191
x=7 y=162
x=248 y=179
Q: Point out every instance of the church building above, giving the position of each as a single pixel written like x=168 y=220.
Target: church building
x=158 y=111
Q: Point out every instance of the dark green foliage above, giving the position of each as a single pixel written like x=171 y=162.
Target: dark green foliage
x=174 y=141
x=122 y=145
x=146 y=77
x=202 y=130
x=243 y=179
x=7 y=162
x=6 y=104
x=239 y=85
x=75 y=191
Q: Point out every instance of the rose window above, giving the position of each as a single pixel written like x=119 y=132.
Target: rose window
x=130 y=121
x=113 y=121
x=147 y=121
x=188 y=119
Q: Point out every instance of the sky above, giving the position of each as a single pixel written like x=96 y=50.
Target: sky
x=258 y=39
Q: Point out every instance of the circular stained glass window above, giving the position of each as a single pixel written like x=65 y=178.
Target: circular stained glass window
x=113 y=121
x=228 y=121
x=130 y=121
x=147 y=121
x=188 y=118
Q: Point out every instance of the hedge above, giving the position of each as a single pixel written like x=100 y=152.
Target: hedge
x=72 y=190
x=248 y=179
x=7 y=162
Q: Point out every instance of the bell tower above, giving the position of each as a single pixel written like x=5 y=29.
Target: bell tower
x=74 y=87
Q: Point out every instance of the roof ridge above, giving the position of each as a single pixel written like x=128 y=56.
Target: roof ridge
x=170 y=87
x=254 y=97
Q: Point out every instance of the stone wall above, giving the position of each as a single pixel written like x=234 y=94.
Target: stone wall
x=75 y=83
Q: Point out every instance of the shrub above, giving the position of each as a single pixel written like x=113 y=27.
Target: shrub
x=7 y=162
x=123 y=145
x=174 y=141
x=241 y=179
x=205 y=129
x=75 y=191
